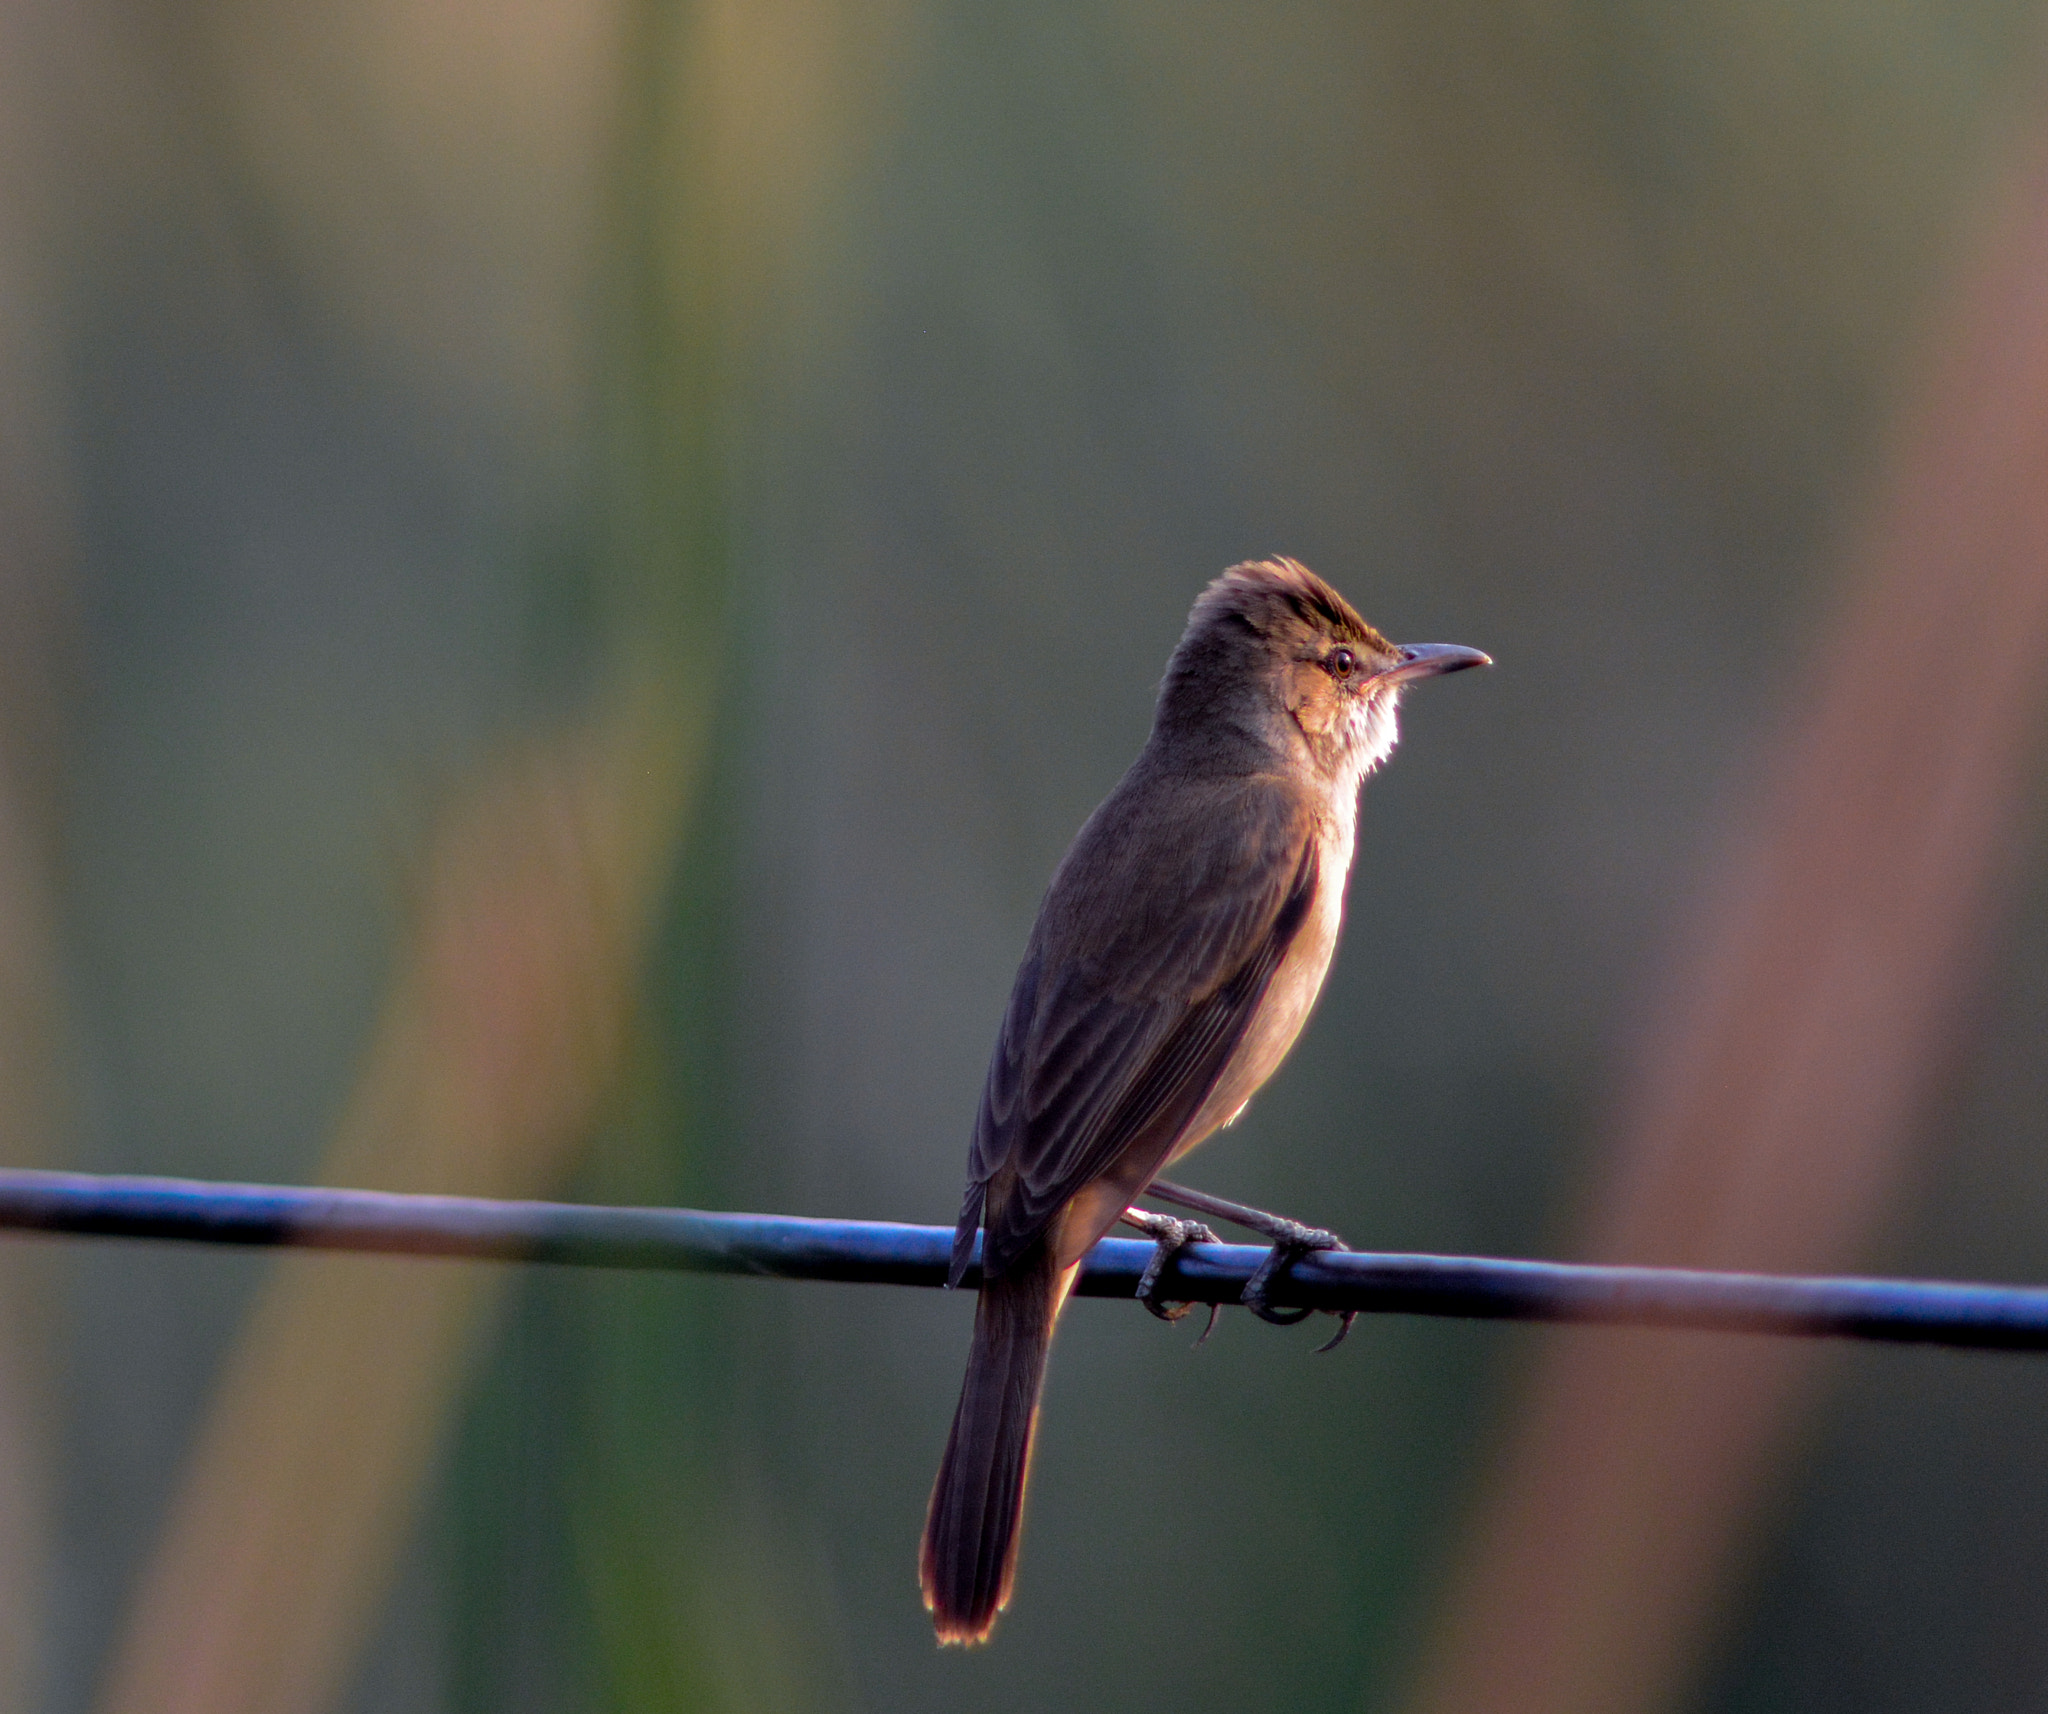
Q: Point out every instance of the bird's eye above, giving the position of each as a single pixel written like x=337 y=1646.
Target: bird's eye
x=1342 y=662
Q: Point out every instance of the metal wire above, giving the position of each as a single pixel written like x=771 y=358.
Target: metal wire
x=2008 y=1318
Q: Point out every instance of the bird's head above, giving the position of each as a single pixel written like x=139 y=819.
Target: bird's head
x=1274 y=654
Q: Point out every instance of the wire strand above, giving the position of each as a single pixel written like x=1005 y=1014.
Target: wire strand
x=1989 y=1317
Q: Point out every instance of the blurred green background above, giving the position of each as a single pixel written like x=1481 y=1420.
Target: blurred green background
x=568 y=570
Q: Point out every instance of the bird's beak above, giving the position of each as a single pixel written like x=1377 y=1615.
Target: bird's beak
x=1427 y=660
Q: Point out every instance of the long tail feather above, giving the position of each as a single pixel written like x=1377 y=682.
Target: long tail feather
x=969 y=1558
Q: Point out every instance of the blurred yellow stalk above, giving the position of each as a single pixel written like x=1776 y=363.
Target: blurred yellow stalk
x=499 y=1042
x=507 y=1024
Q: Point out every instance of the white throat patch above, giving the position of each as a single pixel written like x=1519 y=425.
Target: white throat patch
x=1375 y=730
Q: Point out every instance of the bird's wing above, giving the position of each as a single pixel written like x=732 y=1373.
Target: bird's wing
x=1147 y=966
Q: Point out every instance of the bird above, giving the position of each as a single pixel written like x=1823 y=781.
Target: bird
x=1176 y=955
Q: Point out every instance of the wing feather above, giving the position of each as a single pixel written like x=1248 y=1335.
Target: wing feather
x=1147 y=966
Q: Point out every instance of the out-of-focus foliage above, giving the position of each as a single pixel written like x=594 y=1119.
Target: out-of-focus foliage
x=567 y=571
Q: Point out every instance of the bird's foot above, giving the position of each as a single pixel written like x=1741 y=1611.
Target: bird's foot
x=1291 y=1240
x=1169 y=1236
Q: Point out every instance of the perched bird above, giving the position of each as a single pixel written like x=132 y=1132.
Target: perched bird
x=1176 y=956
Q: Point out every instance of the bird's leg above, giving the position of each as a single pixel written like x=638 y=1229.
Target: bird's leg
x=1170 y=1236
x=1290 y=1238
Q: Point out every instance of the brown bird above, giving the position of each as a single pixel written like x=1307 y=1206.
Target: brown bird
x=1177 y=954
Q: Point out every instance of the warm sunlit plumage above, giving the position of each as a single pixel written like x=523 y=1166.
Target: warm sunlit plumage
x=1177 y=954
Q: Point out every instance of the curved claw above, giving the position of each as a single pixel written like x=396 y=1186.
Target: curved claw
x=1170 y=1236
x=1254 y=1298
x=1344 y=1321
x=1291 y=1240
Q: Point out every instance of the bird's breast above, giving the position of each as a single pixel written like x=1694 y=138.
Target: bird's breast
x=1291 y=995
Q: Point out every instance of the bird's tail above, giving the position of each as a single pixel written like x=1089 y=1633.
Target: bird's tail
x=969 y=1558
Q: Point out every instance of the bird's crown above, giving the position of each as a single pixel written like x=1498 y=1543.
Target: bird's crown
x=1274 y=596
